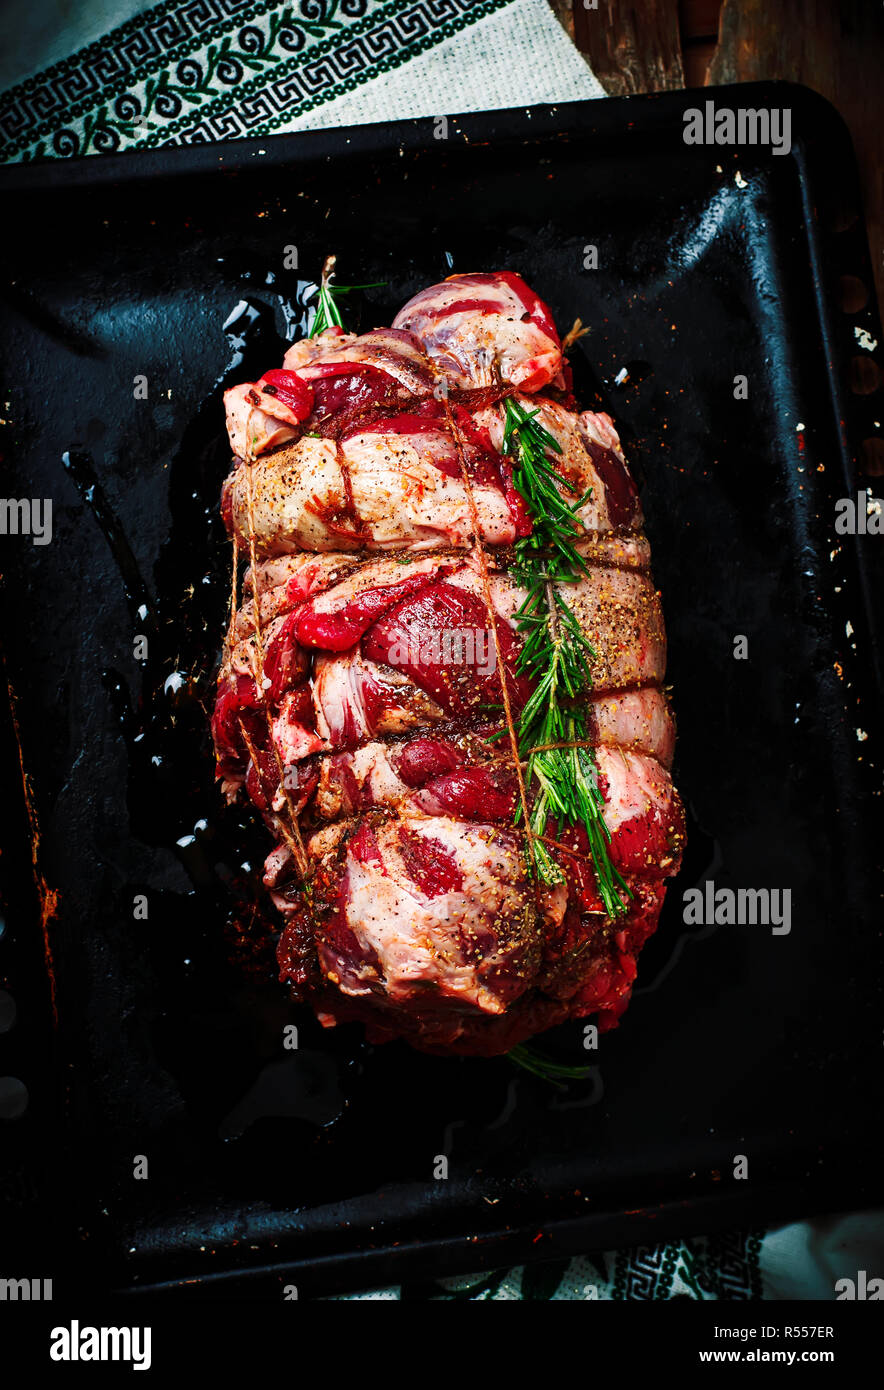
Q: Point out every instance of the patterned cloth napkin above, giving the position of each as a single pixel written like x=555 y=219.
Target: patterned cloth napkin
x=804 y=1260
x=116 y=75
x=185 y=73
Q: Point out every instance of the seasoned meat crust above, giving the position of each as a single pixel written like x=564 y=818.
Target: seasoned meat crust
x=360 y=686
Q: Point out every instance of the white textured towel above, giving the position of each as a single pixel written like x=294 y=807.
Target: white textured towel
x=493 y=64
x=183 y=73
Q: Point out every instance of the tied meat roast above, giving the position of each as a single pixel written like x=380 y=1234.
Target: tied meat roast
x=361 y=678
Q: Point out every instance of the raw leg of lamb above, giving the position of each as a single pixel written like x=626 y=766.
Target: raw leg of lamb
x=378 y=678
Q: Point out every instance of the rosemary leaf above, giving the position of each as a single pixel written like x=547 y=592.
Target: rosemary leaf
x=556 y=1073
x=326 y=313
x=555 y=656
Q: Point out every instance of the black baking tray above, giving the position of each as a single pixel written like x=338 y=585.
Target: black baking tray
x=164 y=1037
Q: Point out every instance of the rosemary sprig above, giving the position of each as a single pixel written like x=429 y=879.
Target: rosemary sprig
x=326 y=313
x=555 y=656
x=555 y=519
x=544 y=1067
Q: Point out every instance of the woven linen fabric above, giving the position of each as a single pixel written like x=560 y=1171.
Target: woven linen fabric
x=185 y=73
x=804 y=1260
x=116 y=75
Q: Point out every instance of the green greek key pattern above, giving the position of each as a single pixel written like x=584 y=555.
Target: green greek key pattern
x=203 y=70
x=725 y=1267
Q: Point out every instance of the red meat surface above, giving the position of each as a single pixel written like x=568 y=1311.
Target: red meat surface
x=368 y=696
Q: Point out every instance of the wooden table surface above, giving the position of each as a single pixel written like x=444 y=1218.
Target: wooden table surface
x=834 y=46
